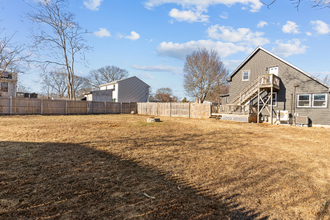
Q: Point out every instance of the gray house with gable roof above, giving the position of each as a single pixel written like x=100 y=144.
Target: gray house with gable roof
x=293 y=89
x=131 y=89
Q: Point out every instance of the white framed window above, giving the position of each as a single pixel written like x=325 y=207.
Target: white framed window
x=304 y=100
x=274 y=99
x=246 y=75
x=320 y=100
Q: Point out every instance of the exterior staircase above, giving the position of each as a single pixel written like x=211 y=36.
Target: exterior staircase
x=261 y=83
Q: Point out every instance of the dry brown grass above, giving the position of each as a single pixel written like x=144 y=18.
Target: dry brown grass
x=100 y=166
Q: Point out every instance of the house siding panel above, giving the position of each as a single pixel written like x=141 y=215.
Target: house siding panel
x=289 y=77
x=132 y=90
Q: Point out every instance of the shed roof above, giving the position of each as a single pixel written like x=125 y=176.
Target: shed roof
x=279 y=58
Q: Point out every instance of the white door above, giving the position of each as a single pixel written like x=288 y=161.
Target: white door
x=273 y=70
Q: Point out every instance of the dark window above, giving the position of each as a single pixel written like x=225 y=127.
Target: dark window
x=274 y=99
x=304 y=100
x=4 y=87
x=6 y=75
x=320 y=100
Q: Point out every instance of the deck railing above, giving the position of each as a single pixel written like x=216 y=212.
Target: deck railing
x=269 y=80
x=266 y=80
x=234 y=109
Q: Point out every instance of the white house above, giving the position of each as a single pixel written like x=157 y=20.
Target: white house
x=8 y=84
x=131 y=89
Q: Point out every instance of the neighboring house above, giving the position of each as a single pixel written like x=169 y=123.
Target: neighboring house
x=295 y=90
x=131 y=89
x=8 y=84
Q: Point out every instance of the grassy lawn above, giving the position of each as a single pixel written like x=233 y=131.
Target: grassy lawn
x=120 y=167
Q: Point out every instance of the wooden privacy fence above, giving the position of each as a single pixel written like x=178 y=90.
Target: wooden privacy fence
x=189 y=110
x=23 y=106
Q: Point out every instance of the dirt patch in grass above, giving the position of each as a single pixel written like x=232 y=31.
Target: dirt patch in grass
x=120 y=167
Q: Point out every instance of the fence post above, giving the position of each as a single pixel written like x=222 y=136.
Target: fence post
x=157 y=108
x=147 y=108
x=10 y=105
x=66 y=107
x=121 y=108
x=86 y=107
x=189 y=110
x=105 y=107
x=41 y=106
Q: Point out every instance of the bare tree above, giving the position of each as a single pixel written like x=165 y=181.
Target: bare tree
x=22 y=88
x=81 y=86
x=316 y=3
x=106 y=74
x=61 y=35
x=327 y=80
x=11 y=54
x=205 y=74
x=165 y=95
x=219 y=89
x=54 y=82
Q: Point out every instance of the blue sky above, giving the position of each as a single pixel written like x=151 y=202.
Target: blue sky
x=150 y=38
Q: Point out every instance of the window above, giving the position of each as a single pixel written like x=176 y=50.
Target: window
x=320 y=100
x=274 y=99
x=304 y=100
x=4 y=87
x=246 y=75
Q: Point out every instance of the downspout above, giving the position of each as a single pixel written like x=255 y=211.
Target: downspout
x=291 y=104
x=294 y=104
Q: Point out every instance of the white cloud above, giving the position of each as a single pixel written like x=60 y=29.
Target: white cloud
x=103 y=32
x=261 y=24
x=189 y=16
x=224 y=15
x=243 y=35
x=290 y=27
x=180 y=51
x=321 y=27
x=133 y=36
x=254 y=4
x=119 y=35
x=290 y=48
x=232 y=64
x=309 y=34
x=159 y=68
x=144 y=76
x=93 y=4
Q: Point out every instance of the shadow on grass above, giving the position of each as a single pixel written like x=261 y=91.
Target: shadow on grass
x=71 y=181
x=278 y=186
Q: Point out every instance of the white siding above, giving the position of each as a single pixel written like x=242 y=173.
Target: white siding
x=115 y=92
x=106 y=87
